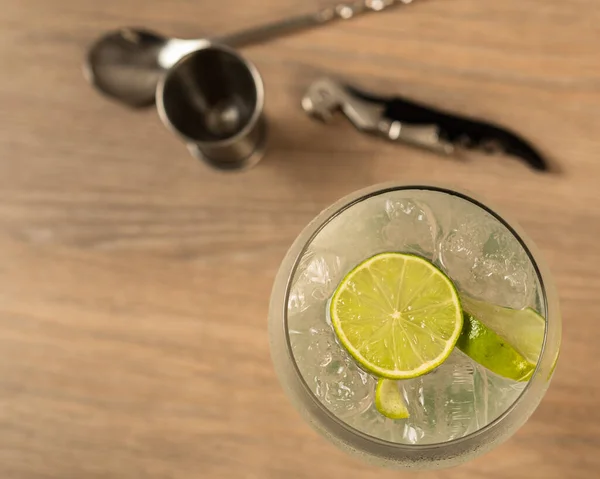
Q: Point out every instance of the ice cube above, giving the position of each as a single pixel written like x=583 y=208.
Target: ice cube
x=331 y=373
x=441 y=404
x=494 y=395
x=355 y=235
x=485 y=260
x=371 y=422
x=315 y=280
x=411 y=228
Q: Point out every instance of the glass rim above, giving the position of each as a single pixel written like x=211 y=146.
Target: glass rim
x=310 y=232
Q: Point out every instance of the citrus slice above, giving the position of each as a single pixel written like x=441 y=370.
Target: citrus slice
x=523 y=329
x=389 y=400
x=397 y=314
x=490 y=350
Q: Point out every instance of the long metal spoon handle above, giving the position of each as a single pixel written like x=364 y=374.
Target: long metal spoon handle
x=175 y=49
x=341 y=11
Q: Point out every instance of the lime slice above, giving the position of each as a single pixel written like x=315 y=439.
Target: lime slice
x=389 y=400
x=397 y=314
x=487 y=348
x=523 y=329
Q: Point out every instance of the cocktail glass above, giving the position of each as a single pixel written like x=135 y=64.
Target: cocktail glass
x=460 y=410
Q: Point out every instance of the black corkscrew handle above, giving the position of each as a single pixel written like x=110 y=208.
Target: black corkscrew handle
x=458 y=130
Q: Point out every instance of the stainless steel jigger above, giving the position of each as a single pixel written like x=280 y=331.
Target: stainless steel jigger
x=213 y=99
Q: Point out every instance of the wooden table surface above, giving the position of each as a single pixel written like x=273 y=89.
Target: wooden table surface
x=134 y=281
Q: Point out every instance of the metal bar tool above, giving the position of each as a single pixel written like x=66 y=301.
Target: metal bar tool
x=402 y=120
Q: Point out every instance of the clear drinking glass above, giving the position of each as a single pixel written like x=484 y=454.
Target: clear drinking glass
x=487 y=256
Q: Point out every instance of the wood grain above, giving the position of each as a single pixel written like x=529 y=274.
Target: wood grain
x=132 y=277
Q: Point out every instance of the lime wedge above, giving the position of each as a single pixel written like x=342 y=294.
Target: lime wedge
x=523 y=329
x=389 y=400
x=398 y=315
x=487 y=348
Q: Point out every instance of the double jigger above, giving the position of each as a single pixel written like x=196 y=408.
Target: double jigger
x=205 y=92
x=213 y=99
